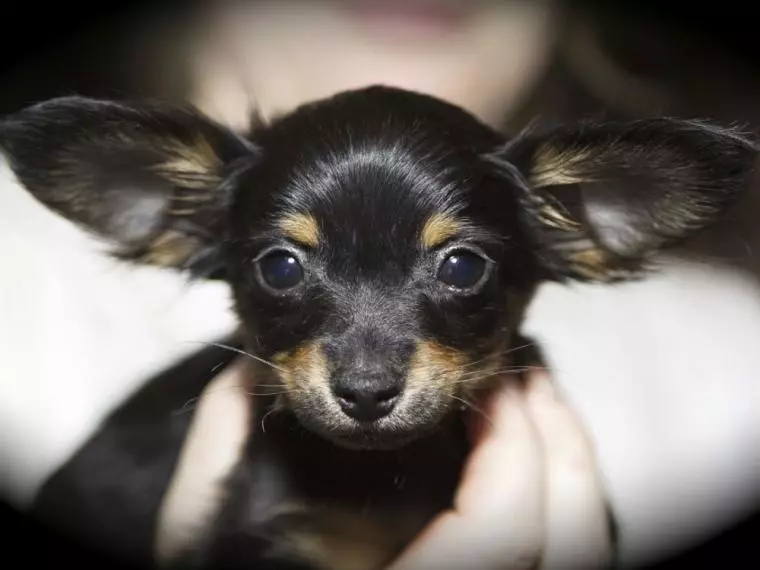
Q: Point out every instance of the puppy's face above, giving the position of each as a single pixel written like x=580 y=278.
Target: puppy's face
x=380 y=244
x=368 y=266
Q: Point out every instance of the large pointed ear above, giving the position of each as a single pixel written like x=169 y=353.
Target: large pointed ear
x=151 y=179
x=602 y=199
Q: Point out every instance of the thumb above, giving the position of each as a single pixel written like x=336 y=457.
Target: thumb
x=498 y=516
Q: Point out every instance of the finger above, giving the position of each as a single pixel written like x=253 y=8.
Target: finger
x=498 y=516
x=212 y=448
x=577 y=524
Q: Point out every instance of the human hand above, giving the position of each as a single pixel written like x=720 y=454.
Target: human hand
x=530 y=495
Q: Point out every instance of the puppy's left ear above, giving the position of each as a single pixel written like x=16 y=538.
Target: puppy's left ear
x=601 y=199
x=150 y=179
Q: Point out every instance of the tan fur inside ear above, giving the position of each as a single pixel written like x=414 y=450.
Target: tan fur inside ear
x=595 y=264
x=584 y=257
x=138 y=175
x=195 y=172
x=607 y=197
x=556 y=167
x=555 y=216
x=191 y=166
x=170 y=249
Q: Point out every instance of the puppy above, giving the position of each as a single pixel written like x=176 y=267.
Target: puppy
x=381 y=247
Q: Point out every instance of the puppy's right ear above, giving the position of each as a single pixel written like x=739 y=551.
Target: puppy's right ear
x=152 y=179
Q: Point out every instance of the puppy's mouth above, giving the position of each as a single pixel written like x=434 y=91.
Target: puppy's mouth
x=383 y=434
x=394 y=431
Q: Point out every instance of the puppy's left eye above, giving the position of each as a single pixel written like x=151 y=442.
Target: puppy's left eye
x=280 y=271
x=462 y=269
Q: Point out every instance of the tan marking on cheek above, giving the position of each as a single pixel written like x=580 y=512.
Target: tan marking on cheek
x=284 y=371
x=301 y=228
x=453 y=373
x=304 y=367
x=438 y=229
x=436 y=367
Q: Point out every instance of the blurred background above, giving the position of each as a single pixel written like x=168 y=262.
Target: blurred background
x=509 y=62
x=564 y=58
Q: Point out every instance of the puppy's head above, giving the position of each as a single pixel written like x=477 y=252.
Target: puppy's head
x=380 y=244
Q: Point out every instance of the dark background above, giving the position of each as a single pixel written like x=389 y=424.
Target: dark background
x=55 y=48
x=51 y=49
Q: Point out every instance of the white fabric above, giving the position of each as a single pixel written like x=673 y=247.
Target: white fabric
x=666 y=374
x=78 y=333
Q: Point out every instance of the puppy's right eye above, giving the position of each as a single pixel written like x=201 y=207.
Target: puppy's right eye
x=462 y=270
x=280 y=270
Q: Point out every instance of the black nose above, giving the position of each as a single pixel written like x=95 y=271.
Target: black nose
x=367 y=400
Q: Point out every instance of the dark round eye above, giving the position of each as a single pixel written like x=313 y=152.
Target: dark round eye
x=462 y=269
x=280 y=270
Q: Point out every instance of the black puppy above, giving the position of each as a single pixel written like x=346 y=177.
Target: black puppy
x=381 y=246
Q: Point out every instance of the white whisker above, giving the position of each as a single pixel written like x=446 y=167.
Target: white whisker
x=243 y=353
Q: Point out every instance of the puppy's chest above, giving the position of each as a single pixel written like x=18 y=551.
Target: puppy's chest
x=308 y=504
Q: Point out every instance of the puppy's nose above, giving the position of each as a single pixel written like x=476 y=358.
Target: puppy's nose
x=367 y=399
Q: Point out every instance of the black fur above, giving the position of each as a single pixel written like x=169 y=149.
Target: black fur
x=368 y=169
x=107 y=167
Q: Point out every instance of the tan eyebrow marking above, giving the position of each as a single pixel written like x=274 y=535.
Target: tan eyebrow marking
x=301 y=228
x=438 y=228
